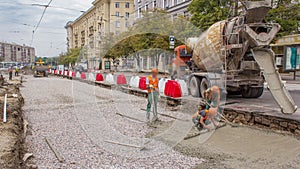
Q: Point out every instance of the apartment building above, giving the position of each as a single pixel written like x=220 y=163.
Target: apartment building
x=173 y=7
x=16 y=53
x=103 y=18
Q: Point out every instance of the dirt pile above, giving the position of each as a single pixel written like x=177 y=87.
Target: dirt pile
x=12 y=132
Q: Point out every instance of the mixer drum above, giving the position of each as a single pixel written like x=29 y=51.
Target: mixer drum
x=207 y=51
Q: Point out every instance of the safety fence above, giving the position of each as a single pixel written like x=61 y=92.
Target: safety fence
x=167 y=88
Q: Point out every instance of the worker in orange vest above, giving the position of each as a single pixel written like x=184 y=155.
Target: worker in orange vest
x=153 y=92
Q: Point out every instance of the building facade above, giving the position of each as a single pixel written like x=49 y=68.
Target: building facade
x=103 y=18
x=173 y=7
x=16 y=53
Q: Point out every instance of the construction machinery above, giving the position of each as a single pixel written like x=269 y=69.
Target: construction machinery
x=40 y=69
x=234 y=54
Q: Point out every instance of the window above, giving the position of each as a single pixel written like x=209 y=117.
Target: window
x=127 y=5
x=117 y=5
x=154 y=4
x=117 y=24
x=140 y=12
x=117 y=14
x=126 y=24
x=127 y=14
x=146 y=7
x=117 y=32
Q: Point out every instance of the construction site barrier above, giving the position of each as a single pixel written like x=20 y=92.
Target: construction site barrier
x=172 y=89
x=83 y=75
x=110 y=79
x=134 y=81
x=78 y=75
x=161 y=85
x=121 y=79
x=142 y=83
x=91 y=77
x=183 y=86
x=99 y=77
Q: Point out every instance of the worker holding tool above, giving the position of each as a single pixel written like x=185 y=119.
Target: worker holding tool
x=153 y=93
x=202 y=115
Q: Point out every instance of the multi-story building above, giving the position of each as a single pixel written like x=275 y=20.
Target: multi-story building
x=103 y=18
x=173 y=7
x=16 y=53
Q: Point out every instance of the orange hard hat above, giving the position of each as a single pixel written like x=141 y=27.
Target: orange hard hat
x=154 y=70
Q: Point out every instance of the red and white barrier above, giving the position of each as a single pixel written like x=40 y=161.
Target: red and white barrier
x=99 y=77
x=142 y=83
x=121 y=79
x=172 y=89
x=183 y=86
x=110 y=79
x=134 y=81
x=83 y=76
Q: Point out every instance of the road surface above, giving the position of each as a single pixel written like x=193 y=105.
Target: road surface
x=81 y=122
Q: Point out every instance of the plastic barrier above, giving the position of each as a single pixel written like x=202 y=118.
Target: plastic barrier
x=134 y=81
x=121 y=79
x=183 y=86
x=73 y=74
x=66 y=73
x=172 y=89
x=70 y=74
x=56 y=72
x=142 y=83
x=110 y=79
x=78 y=75
x=83 y=75
x=99 y=77
x=92 y=77
x=60 y=72
x=49 y=71
x=161 y=84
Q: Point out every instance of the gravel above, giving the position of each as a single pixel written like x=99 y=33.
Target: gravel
x=78 y=118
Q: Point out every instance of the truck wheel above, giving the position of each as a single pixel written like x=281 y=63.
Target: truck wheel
x=194 y=86
x=252 y=92
x=204 y=86
x=233 y=93
x=257 y=92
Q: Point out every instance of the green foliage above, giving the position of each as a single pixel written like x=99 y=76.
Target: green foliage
x=151 y=32
x=287 y=15
x=70 y=57
x=207 y=12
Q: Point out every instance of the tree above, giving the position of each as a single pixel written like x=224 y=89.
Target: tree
x=70 y=57
x=287 y=15
x=207 y=12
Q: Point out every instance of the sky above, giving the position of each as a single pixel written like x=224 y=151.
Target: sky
x=18 y=18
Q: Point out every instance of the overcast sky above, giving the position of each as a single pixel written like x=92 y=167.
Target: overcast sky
x=18 y=18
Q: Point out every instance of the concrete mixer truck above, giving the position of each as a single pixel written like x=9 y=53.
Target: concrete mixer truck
x=235 y=55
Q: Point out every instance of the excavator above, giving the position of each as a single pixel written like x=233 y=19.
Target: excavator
x=235 y=55
x=40 y=69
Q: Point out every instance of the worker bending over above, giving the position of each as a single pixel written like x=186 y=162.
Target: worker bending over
x=212 y=97
x=202 y=115
x=153 y=92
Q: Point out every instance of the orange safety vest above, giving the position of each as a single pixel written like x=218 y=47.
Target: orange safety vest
x=152 y=82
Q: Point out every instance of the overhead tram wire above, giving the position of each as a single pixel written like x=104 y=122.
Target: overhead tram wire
x=38 y=24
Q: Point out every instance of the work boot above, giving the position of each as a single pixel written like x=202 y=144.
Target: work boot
x=154 y=119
